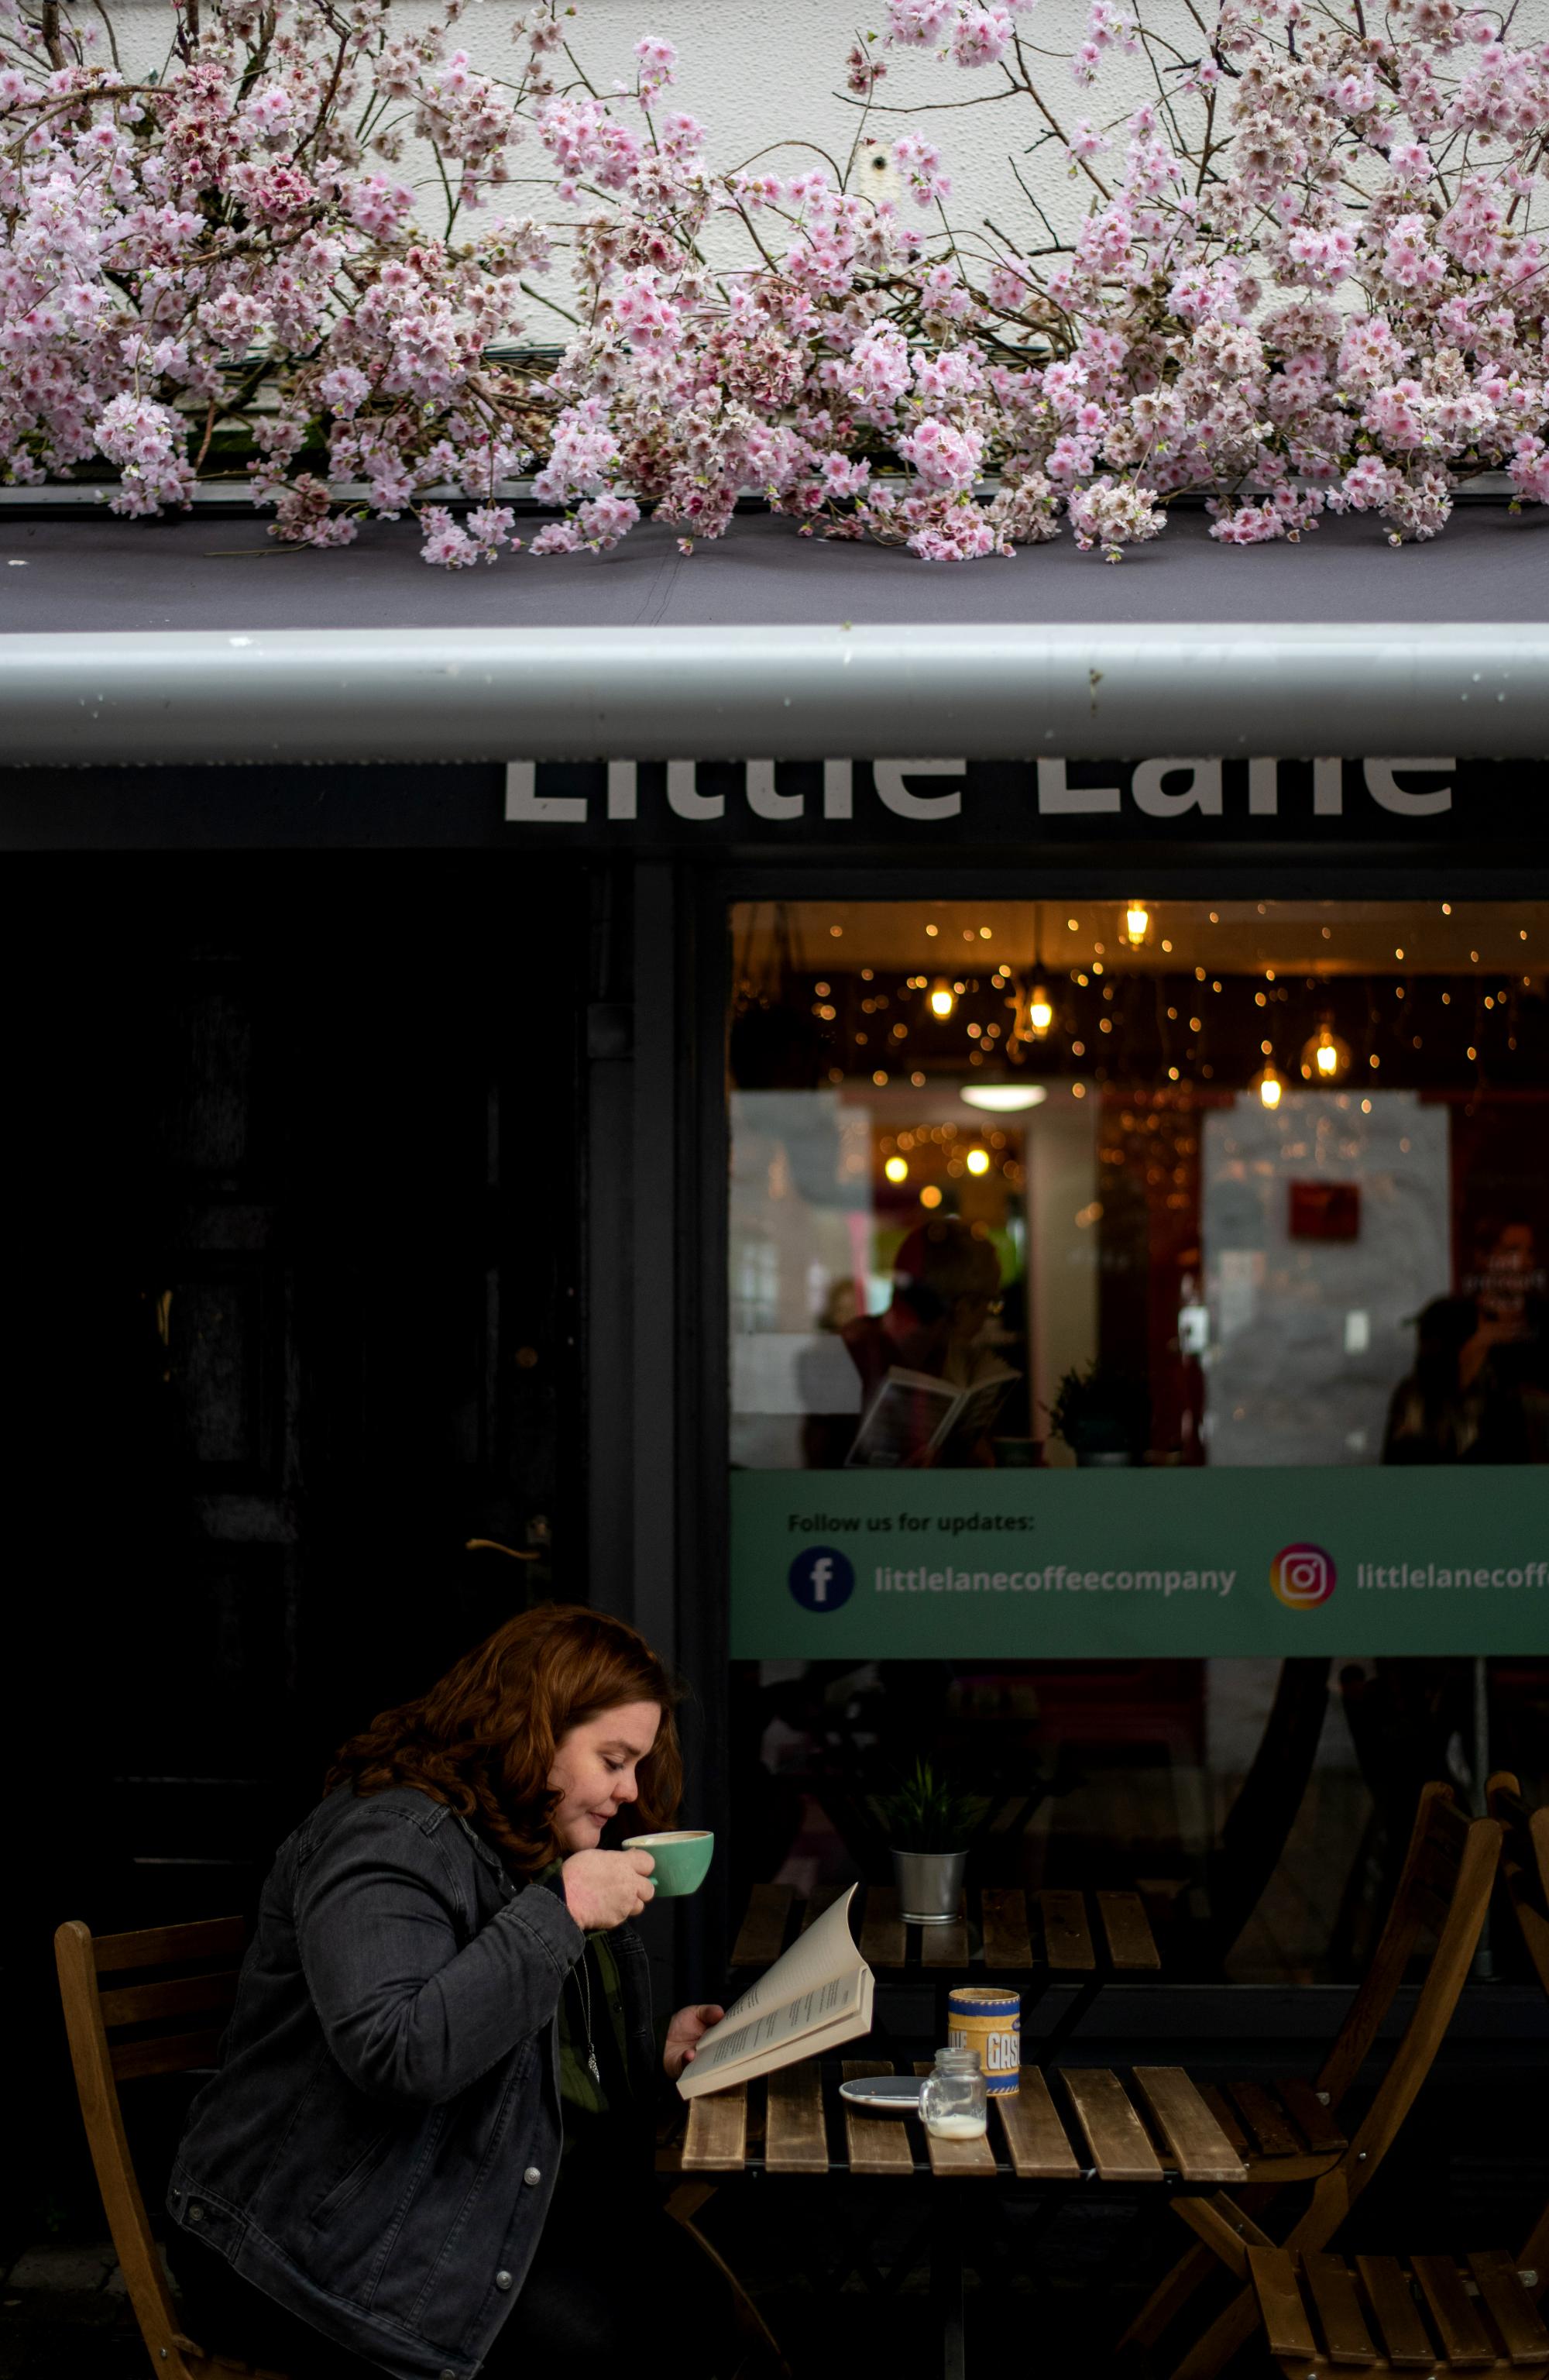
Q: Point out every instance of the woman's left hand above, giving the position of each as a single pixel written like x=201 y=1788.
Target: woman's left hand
x=684 y=2034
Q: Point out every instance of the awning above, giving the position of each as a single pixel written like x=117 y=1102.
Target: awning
x=200 y=640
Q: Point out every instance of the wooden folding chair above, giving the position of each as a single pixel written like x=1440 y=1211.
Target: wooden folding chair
x=161 y=2010
x=1476 y=2315
x=1291 y=2134
x=1258 y=1825
x=1524 y=1865
x=170 y=2022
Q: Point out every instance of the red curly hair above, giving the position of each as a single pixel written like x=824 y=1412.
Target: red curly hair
x=483 y=1739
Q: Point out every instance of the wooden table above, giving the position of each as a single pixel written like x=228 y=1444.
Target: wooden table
x=1031 y=1939
x=1087 y=2126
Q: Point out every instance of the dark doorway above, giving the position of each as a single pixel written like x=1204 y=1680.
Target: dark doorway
x=293 y=1196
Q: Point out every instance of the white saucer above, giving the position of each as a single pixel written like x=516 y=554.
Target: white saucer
x=884 y=2095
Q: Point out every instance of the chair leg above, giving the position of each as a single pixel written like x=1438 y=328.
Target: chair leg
x=683 y=2205
x=1227 y=2336
x=1170 y=2296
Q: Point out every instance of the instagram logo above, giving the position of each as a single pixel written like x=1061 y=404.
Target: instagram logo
x=1302 y=1577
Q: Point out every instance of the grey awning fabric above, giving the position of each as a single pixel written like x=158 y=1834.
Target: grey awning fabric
x=198 y=640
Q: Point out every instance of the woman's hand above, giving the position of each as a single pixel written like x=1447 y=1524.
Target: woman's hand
x=604 y=1888
x=684 y=2034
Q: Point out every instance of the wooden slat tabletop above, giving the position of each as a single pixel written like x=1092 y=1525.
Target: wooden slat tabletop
x=716 y=2141
x=795 y=2137
x=762 y=1935
x=1131 y=1946
x=1199 y=2147
x=882 y=1933
x=1067 y=1934
x=999 y=1931
x=877 y=2144
x=1036 y=2139
x=1003 y=1917
x=1121 y=2150
x=1136 y=2127
x=950 y=2159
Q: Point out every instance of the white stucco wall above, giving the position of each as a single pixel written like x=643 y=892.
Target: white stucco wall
x=765 y=80
x=757 y=74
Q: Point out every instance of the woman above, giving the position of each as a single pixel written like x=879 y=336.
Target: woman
x=426 y=2150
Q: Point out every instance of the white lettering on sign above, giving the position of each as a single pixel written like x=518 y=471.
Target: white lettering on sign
x=1057 y=799
x=682 y=797
x=1203 y=790
x=888 y=776
x=762 y=798
x=838 y=789
x=524 y=803
x=1158 y=788
x=1381 y=787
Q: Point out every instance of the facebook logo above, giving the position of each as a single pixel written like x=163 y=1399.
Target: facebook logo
x=821 y=1579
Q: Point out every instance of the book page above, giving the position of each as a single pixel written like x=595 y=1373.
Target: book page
x=727 y=2045
x=974 y=1409
x=820 y=2021
x=817 y=1957
x=901 y=1420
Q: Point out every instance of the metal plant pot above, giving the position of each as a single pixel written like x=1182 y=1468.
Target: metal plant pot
x=929 y=1886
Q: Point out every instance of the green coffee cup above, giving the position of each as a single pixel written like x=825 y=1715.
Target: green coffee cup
x=683 y=1860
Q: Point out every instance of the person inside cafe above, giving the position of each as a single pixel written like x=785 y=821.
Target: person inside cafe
x=427 y=2149
x=946 y=1290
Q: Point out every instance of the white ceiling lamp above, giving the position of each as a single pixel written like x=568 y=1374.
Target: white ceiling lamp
x=1004 y=1099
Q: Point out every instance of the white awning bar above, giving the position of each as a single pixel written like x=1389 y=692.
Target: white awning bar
x=781 y=693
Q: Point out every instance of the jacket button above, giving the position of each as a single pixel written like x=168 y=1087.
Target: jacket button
x=449 y=2374
x=503 y=2280
x=532 y=2175
x=196 y=2214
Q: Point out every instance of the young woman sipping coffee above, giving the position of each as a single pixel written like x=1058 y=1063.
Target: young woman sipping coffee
x=426 y=2150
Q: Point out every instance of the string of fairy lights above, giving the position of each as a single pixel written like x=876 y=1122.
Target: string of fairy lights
x=1268 y=1029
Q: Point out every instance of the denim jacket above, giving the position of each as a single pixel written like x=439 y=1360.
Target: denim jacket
x=380 y=2144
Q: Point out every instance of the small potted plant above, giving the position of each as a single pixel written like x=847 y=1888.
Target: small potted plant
x=1103 y=1414
x=929 y=1823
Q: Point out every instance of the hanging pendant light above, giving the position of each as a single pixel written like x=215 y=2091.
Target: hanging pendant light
x=942 y=999
x=1137 y=923
x=1270 y=1084
x=1325 y=1056
x=1036 y=1012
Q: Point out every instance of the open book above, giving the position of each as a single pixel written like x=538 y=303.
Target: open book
x=915 y=1417
x=815 y=1997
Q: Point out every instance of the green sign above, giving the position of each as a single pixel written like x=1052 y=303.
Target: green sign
x=1029 y=1565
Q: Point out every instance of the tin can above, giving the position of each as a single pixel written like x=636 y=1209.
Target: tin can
x=984 y=2017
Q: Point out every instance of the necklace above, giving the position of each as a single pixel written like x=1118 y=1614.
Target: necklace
x=585 y=1998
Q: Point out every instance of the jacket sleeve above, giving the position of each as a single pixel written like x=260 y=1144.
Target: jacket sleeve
x=409 y=2013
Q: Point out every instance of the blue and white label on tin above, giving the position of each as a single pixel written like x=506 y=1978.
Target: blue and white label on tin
x=988 y=2019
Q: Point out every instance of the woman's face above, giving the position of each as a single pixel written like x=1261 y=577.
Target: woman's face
x=594 y=1771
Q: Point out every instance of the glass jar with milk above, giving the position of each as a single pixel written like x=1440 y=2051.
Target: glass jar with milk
x=954 y=2102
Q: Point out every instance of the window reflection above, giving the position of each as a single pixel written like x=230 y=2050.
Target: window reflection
x=1242 y=1183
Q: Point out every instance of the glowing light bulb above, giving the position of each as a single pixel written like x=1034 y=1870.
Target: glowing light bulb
x=1325 y=1056
x=897 y=1169
x=977 y=1160
x=1270 y=1086
x=1137 y=923
x=1039 y=1014
x=943 y=999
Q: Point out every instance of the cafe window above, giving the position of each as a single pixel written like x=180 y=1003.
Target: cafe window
x=1232 y=1211
x=1268 y=1178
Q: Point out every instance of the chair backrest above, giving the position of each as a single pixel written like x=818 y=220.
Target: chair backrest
x=1524 y=1865
x=1419 y=1909
x=137 y=2005
x=1261 y=1818
x=1444 y=1895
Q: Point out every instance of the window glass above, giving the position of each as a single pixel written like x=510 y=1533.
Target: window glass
x=1260 y=1183
x=1173 y=1194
